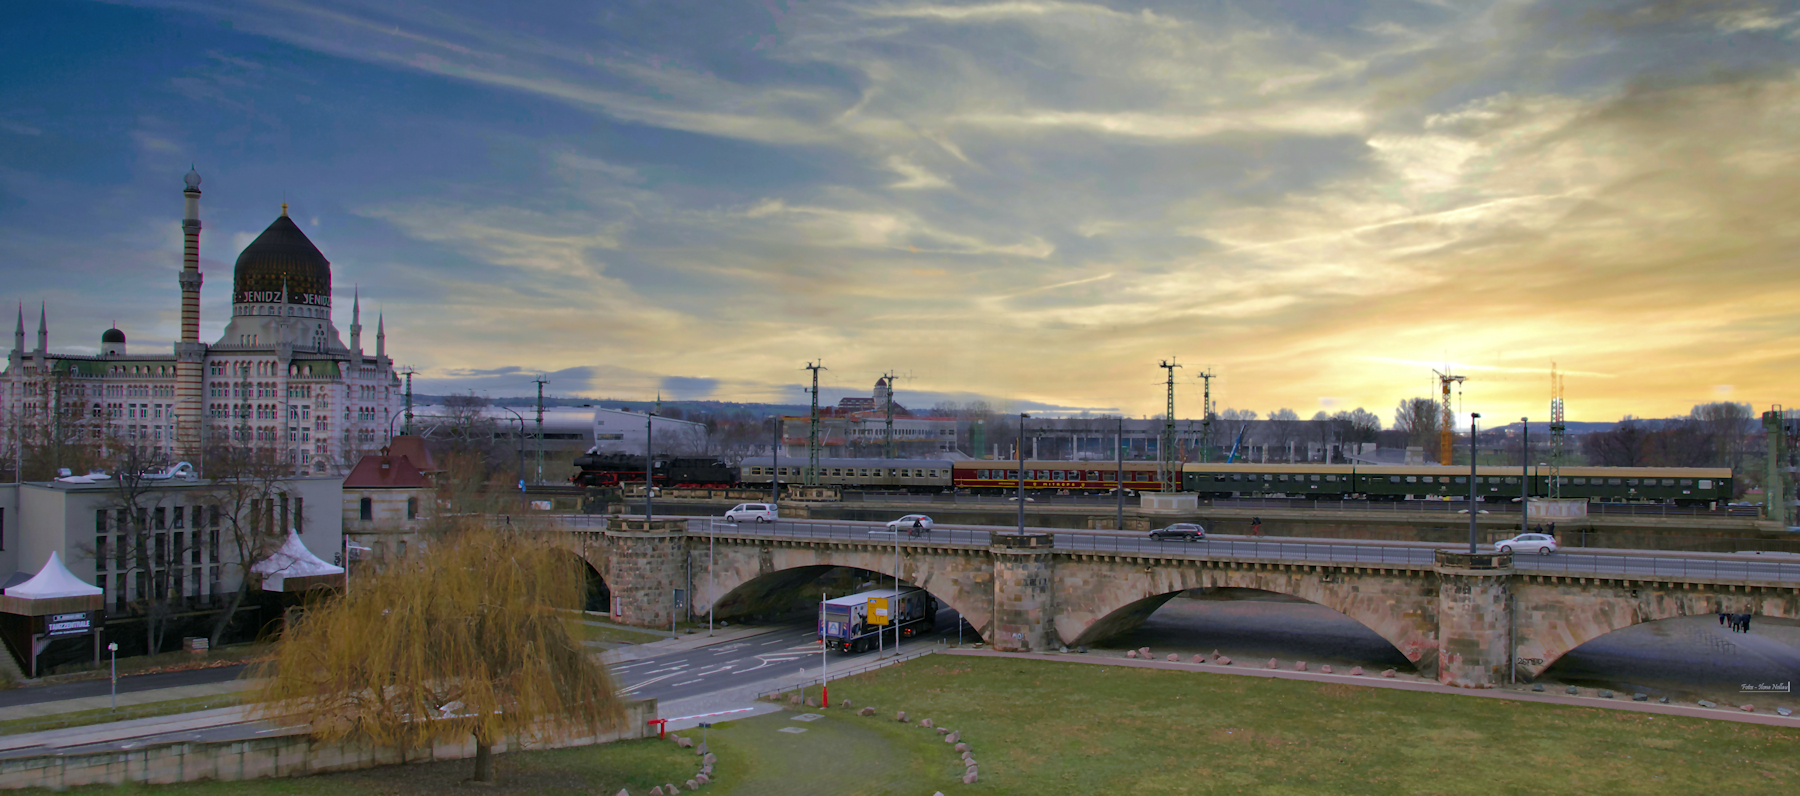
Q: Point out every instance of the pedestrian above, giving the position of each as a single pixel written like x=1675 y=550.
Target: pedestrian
x=1721 y=619
x=1255 y=526
x=1743 y=623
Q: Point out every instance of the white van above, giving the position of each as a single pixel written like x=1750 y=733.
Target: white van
x=760 y=512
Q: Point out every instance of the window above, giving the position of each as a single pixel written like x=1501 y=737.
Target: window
x=1330 y=478
x=1612 y=482
x=161 y=515
x=1687 y=482
x=365 y=509
x=1056 y=475
x=1314 y=478
x=1631 y=482
x=180 y=517
x=412 y=508
x=400 y=549
x=1668 y=482
x=1284 y=476
x=1512 y=479
x=1394 y=479
x=1581 y=481
x=1706 y=483
x=1462 y=479
x=1237 y=476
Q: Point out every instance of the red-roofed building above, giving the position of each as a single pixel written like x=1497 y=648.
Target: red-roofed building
x=388 y=498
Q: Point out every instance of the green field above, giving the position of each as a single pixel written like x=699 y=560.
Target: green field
x=1042 y=727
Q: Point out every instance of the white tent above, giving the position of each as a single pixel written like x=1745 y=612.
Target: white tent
x=54 y=581
x=293 y=561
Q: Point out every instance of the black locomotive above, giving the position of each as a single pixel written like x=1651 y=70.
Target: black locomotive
x=613 y=469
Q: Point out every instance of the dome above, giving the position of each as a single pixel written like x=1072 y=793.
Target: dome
x=112 y=336
x=192 y=179
x=282 y=258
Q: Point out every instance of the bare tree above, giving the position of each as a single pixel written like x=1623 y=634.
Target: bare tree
x=147 y=548
x=248 y=516
x=1421 y=420
x=1283 y=428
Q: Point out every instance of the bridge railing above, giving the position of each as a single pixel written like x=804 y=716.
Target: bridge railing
x=1248 y=550
x=1308 y=504
x=842 y=531
x=1784 y=568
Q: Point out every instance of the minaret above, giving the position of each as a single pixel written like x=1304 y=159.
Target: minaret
x=17 y=357
x=356 y=321
x=190 y=353
x=380 y=338
x=43 y=329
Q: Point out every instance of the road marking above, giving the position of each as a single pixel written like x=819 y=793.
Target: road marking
x=648 y=682
x=686 y=682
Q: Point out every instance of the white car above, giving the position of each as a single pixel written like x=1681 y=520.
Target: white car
x=760 y=512
x=906 y=523
x=1541 y=543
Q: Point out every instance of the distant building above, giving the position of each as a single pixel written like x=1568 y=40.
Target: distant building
x=389 y=498
x=280 y=378
x=621 y=431
x=858 y=428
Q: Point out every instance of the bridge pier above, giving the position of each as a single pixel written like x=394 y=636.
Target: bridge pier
x=644 y=568
x=1024 y=592
x=1474 y=615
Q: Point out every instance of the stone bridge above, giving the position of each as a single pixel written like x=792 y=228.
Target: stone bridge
x=1456 y=619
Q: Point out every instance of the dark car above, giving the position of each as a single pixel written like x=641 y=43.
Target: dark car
x=1183 y=531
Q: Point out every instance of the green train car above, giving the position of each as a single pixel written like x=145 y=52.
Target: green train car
x=1681 y=486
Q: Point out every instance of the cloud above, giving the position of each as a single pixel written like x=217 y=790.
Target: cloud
x=689 y=388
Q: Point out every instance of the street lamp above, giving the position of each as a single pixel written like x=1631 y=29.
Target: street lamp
x=1474 y=493
x=519 y=443
x=649 y=463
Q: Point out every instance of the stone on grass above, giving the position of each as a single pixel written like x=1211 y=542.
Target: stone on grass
x=1784 y=711
x=709 y=759
x=1388 y=673
x=693 y=785
x=1538 y=687
x=962 y=747
x=1082 y=649
x=623 y=792
x=1131 y=653
x=970 y=778
x=866 y=712
x=1706 y=704
x=701 y=750
x=1573 y=690
x=812 y=703
x=1224 y=661
x=969 y=762
x=926 y=723
x=656 y=791
x=1272 y=664
x=670 y=789
x=1199 y=658
x=794 y=699
x=943 y=730
x=1605 y=694
x=900 y=716
x=1356 y=671
x=1173 y=657
x=843 y=703
x=685 y=743
x=1062 y=648
x=702 y=778
x=1326 y=668
x=1143 y=652
x=1299 y=666
x=1747 y=708
x=953 y=737
x=707 y=770
x=1664 y=700
x=1640 y=697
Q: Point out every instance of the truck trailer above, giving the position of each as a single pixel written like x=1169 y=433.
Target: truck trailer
x=844 y=623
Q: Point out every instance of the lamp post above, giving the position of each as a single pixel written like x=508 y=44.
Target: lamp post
x=1474 y=490
x=1119 y=473
x=775 y=467
x=1019 y=450
x=1524 y=475
x=649 y=464
x=520 y=444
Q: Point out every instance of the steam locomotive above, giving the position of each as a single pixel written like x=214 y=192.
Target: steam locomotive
x=613 y=469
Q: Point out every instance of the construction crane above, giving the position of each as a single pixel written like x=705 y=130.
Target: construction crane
x=1446 y=440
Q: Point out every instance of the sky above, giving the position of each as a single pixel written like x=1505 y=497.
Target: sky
x=1030 y=202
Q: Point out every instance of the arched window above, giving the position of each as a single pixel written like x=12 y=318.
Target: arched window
x=412 y=508
x=366 y=509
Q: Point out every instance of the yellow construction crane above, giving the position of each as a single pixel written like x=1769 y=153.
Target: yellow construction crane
x=1446 y=439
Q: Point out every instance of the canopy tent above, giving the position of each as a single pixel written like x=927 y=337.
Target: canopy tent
x=53 y=590
x=293 y=568
x=52 y=605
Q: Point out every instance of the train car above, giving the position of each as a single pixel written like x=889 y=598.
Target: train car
x=1218 y=480
x=613 y=469
x=1430 y=481
x=995 y=477
x=1684 y=486
x=904 y=475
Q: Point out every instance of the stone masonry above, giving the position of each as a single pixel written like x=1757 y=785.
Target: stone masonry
x=1458 y=620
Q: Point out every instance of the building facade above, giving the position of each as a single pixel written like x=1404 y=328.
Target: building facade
x=279 y=380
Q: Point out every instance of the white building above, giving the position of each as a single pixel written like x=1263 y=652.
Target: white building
x=621 y=431
x=280 y=378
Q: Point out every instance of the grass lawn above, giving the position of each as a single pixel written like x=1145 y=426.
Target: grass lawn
x=1045 y=727
x=594 y=632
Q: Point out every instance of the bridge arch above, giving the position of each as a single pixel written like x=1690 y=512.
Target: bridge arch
x=1251 y=616
x=1554 y=617
x=1106 y=599
x=958 y=581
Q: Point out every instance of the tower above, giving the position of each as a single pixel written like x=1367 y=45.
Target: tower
x=190 y=353
x=380 y=337
x=885 y=393
x=1206 y=417
x=1168 y=471
x=1447 y=429
x=356 y=322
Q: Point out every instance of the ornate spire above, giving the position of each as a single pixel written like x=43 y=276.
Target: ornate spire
x=43 y=329
x=356 y=321
x=380 y=336
x=19 y=334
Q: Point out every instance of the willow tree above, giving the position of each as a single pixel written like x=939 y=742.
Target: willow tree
x=470 y=639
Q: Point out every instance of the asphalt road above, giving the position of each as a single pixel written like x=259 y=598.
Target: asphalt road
x=129 y=684
x=1725 y=568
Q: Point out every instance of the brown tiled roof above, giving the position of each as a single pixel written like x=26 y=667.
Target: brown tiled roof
x=412 y=447
x=377 y=471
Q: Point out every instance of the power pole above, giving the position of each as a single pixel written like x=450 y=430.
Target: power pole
x=1446 y=432
x=541 y=380
x=1557 y=431
x=1168 y=471
x=407 y=429
x=887 y=447
x=1206 y=417
x=811 y=475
